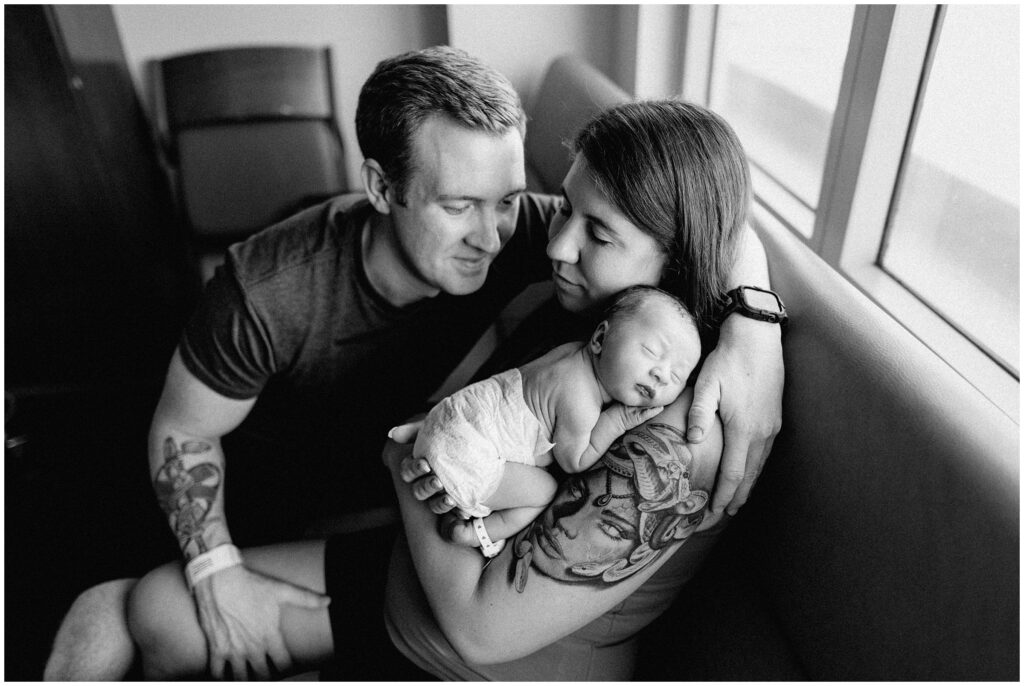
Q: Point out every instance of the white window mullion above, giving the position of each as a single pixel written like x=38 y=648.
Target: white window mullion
x=698 y=50
x=893 y=107
x=869 y=37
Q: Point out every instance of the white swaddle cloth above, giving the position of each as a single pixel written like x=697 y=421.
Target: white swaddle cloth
x=468 y=437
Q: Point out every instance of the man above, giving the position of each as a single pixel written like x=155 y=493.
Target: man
x=343 y=311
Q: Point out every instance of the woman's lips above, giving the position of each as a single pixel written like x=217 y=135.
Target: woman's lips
x=549 y=545
x=564 y=282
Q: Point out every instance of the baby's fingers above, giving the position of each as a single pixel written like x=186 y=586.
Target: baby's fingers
x=652 y=411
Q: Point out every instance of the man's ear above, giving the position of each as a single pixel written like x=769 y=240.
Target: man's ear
x=375 y=183
x=597 y=339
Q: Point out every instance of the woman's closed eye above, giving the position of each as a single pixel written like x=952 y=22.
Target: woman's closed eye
x=597 y=235
x=614 y=530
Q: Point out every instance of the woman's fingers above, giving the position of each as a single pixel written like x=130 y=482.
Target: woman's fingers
x=413 y=468
x=426 y=487
x=441 y=504
x=405 y=433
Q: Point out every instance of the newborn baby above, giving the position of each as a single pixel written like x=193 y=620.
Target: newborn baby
x=488 y=443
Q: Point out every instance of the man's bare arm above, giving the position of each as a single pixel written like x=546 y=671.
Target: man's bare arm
x=238 y=609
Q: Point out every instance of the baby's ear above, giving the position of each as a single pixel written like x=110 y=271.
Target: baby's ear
x=597 y=338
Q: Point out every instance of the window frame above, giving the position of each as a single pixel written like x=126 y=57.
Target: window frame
x=882 y=84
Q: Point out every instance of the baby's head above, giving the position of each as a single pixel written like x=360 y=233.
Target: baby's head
x=645 y=348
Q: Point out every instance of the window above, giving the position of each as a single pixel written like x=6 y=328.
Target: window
x=887 y=138
x=955 y=222
x=776 y=72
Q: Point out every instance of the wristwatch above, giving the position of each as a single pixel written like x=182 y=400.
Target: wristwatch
x=756 y=303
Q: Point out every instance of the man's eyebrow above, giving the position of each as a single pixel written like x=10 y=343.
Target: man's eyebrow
x=473 y=198
x=470 y=198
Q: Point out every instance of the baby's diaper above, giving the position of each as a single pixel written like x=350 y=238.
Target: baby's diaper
x=468 y=437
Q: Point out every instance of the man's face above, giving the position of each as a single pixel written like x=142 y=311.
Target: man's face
x=580 y=527
x=461 y=205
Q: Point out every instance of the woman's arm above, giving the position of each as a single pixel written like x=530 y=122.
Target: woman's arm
x=589 y=550
x=741 y=381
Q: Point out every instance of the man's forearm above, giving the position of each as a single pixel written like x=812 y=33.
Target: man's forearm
x=188 y=478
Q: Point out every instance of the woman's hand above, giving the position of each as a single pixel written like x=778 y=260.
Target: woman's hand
x=240 y=613
x=416 y=470
x=742 y=379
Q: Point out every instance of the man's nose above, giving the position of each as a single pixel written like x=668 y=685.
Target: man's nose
x=562 y=245
x=486 y=236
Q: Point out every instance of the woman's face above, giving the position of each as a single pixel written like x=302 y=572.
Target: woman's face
x=594 y=249
x=576 y=529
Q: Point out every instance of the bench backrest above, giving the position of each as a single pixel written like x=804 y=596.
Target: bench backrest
x=883 y=536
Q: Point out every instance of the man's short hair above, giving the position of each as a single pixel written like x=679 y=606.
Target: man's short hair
x=404 y=91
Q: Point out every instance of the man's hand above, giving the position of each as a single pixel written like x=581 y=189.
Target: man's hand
x=416 y=470
x=240 y=613
x=742 y=379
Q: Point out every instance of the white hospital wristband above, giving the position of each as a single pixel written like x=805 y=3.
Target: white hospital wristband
x=211 y=562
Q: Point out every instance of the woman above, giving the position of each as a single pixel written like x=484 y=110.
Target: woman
x=602 y=561
x=657 y=195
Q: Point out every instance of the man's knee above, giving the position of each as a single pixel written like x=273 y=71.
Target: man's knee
x=163 y=623
x=93 y=643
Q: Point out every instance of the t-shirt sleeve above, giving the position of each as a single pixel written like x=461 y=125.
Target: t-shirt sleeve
x=225 y=344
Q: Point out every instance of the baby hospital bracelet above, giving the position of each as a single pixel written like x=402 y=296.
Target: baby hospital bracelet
x=210 y=562
x=488 y=548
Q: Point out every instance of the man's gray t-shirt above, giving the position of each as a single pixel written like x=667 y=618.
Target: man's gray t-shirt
x=292 y=318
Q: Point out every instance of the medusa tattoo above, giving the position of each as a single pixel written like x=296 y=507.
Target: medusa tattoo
x=615 y=519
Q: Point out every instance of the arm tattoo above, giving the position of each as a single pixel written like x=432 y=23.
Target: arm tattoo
x=186 y=495
x=618 y=517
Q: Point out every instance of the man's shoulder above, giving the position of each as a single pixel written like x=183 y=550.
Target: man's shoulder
x=315 y=233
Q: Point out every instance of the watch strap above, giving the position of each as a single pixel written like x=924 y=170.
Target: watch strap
x=734 y=302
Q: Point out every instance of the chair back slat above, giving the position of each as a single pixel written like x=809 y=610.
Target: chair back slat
x=245 y=84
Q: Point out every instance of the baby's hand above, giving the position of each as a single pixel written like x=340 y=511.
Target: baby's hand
x=633 y=416
x=454 y=528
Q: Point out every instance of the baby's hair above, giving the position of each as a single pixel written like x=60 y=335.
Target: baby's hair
x=629 y=301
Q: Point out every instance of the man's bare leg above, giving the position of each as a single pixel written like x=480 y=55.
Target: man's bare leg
x=93 y=643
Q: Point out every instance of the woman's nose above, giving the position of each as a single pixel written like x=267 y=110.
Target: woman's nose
x=562 y=245
x=570 y=531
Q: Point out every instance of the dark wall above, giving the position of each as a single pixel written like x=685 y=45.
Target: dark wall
x=98 y=284
x=96 y=276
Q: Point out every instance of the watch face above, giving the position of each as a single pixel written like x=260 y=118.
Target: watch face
x=761 y=301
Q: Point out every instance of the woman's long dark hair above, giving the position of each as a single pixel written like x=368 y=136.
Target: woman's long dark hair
x=677 y=171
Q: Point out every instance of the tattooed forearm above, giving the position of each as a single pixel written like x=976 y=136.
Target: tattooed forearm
x=187 y=494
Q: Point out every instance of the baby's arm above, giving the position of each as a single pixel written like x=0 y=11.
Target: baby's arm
x=522 y=494
x=578 y=444
x=522 y=485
